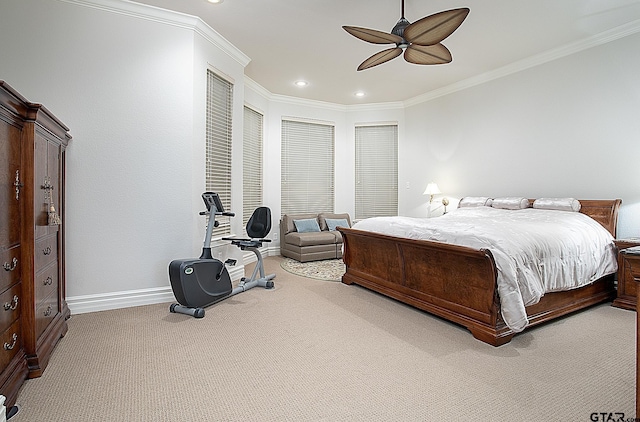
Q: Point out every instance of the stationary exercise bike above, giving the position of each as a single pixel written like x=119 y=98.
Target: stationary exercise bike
x=198 y=283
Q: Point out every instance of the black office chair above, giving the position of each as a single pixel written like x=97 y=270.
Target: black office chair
x=258 y=227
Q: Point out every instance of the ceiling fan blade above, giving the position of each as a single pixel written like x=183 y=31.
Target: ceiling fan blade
x=427 y=54
x=435 y=28
x=373 y=36
x=381 y=57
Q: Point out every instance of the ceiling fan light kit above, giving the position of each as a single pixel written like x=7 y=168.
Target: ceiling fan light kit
x=420 y=41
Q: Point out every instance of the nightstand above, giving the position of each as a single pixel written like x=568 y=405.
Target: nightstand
x=628 y=273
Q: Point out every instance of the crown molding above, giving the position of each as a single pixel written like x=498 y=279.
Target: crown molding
x=259 y=89
x=256 y=87
x=166 y=17
x=557 y=53
x=194 y=23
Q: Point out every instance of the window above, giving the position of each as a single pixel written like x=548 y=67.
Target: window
x=218 y=143
x=252 y=163
x=307 y=167
x=376 y=171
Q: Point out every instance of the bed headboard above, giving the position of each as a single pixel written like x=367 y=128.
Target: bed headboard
x=603 y=211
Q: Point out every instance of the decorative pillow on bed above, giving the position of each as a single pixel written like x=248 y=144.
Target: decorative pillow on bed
x=510 y=203
x=560 y=204
x=475 y=201
x=306 y=226
x=332 y=223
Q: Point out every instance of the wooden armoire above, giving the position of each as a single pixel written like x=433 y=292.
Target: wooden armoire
x=33 y=310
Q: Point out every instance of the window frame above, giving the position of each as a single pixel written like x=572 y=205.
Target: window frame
x=376 y=170
x=218 y=143
x=307 y=166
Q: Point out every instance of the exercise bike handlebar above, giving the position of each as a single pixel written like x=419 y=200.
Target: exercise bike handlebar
x=228 y=214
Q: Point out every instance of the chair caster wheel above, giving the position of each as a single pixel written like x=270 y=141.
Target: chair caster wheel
x=198 y=313
x=269 y=285
x=172 y=308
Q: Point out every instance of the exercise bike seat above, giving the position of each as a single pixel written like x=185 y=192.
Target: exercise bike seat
x=258 y=226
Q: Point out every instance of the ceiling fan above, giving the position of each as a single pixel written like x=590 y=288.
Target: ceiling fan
x=419 y=40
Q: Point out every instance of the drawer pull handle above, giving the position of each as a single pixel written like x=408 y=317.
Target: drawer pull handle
x=12 y=266
x=11 y=307
x=48 y=311
x=8 y=346
x=48 y=281
x=47 y=250
x=17 y=184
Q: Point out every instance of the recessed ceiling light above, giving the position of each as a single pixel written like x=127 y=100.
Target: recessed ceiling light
x=215 y=1
x=359 y=94
x=302 y=83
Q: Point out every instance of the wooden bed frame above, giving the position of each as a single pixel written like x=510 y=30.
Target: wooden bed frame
x=459 y=283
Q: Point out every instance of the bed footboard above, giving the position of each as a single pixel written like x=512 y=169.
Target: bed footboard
x=454 y=282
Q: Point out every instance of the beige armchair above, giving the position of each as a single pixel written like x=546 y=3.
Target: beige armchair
x=312 y=237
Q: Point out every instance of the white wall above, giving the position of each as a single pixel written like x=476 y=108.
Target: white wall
x=129 y=81
x=130 y=85
x=569 y=127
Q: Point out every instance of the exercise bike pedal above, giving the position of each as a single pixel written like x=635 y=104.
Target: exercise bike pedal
x=230 y=262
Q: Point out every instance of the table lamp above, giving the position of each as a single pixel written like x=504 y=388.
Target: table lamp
x=432 y=189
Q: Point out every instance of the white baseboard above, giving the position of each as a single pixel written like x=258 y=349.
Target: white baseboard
x=118 y=300
x=130 y=298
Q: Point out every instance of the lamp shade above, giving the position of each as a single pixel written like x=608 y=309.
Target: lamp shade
x=432 y=189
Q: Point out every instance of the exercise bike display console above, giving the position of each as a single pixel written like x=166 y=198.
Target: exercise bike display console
x=202 y=282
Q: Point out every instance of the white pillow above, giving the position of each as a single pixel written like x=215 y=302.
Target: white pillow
x=475 y=201
x=560 y=204
x=510 y=203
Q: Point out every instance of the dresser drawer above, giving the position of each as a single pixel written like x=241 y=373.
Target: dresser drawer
x=632 y=265
x=10 y=343
x=10 y=302
x=46 y=251
x=45 y=312
x=46 y=282
x=10 y=271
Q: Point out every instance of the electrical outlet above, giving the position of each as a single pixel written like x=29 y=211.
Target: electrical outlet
x=275 y=236
x=408 y=185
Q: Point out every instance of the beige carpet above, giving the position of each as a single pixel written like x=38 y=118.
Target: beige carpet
x=327 y=269
x=309 y=350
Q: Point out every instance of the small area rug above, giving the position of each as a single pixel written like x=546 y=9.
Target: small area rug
x=328 y=270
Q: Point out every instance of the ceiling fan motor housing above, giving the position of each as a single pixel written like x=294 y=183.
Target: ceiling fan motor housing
x=399 y=31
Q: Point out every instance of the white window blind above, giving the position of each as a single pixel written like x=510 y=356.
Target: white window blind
x=218 y=144
x=376 y=171
x=307 y=167
x=252 y=163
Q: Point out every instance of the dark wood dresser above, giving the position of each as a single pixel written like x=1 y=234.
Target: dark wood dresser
x=33 y=310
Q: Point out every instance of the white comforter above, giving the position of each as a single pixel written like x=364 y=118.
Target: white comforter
x=536 y=251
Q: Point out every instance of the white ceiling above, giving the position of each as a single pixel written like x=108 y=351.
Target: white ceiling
x=288 y=40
